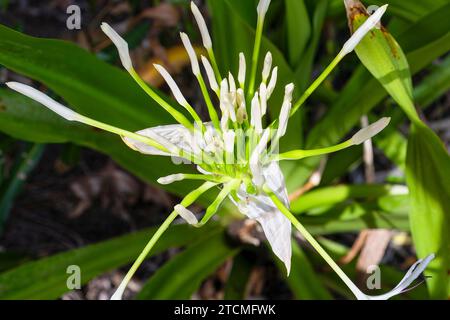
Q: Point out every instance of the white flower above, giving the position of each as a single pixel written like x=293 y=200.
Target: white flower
x=252 y=179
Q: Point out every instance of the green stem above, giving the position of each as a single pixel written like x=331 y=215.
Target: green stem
x=121 y=132
x=301 y=154
x=316 y=83
x=211 y=110
x=187 y=201
x=255 y=57
x=313 y=242
x=213 y=60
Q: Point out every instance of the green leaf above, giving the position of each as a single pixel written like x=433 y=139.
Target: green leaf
x=236 y=286
x=46 y=278
x=90 y=86
x=427 y=163
x=428 y=169
x=13 y=185
x=303 y=280
x=182 y=276
x=337 y=194
x=298 y=29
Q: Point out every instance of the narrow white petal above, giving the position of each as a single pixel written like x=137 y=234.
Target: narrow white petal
x=210 y=73
x=224 y=120
x=263 y=98
x=228 y=138
x=171 y=179
x=42 y=98
x=242 y=69
x=191 y=52
x=284 y=118
x=207 y=43
x=186 y=214
x=276 y=226
x=170 y=136
x=255 y=163
x=413 y=273
x=367 y=26
x=285 y=110
x=262 y=8
x=232 y=83
x=272 y=83
x=172 y=85
x=370 y=131
x=224 y=96
x=256 y=120
x=267 y=66
x=121 y=45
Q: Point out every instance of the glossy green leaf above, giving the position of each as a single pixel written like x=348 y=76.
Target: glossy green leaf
x=182 y=276
x=236 y=285
x=428 y=169
x=10 y=188
x=298 y=29
x=46 y=278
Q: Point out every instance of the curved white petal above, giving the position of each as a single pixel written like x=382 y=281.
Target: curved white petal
x=413 y=273
x=207 y=43
x=359 y=34
x=262 y=8
x=370 y=131
x=191 y=53
x=172 y=85
x=42 y=98
x=275 y=225
x=186 y=214
x=121 y=45
x=168 y=136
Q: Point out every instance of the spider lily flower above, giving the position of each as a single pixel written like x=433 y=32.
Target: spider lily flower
x=233 y=155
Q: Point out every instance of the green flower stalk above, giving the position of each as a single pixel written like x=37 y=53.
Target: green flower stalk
x=236 y=153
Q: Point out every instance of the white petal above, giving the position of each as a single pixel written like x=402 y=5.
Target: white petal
x=267 y=66
x=210 y=73
x=172 y=85
x=171 y=179
x=413 y=273
x=276 y=226
x=242 y=69
x=232 y=83
x=255 y=159
x=121 y=45
x=367 y=26
x=263 y=98
x=228 y=138
x=285 y=110
x=186 y=214
x=42 y=98
x=272 y=83
x=191 y=52
x=370 y=131
x=168 y=136
x=262 y=8
x=256 y=120
x=207 y=43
